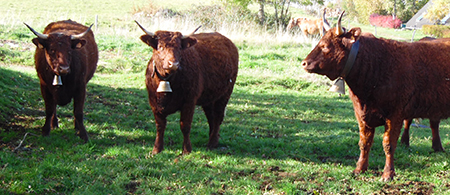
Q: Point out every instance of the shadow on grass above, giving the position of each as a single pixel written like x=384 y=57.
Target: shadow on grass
x=306 y=127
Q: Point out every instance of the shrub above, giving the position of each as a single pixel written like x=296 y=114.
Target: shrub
x=438 y=31
x=384 y=21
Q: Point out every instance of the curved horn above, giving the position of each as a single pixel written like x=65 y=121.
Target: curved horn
x=326 y=25
x=146 y=32
x=192 y=33
x=40 y=35
x=78 y=36
x=339 y=29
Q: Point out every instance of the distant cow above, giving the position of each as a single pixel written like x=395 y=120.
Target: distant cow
x=389 y=81
x=66 y=58
x=307 y=26
x=201 y=69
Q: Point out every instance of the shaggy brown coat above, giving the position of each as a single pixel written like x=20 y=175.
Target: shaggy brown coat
x=205 y=73
x=75 y=60
x=390 y=81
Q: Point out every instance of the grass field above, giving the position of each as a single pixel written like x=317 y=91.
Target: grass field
x=283 y=133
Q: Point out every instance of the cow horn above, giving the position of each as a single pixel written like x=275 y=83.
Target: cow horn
x=40 y=35
x=78 y=36
x=146 y=32
x=326 y=25
x=339 y=29
x=192 y=33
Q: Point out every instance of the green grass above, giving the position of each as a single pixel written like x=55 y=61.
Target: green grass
x=283 y=133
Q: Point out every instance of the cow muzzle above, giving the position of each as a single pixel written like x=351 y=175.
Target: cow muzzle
x=173 y=65
x=63 y=70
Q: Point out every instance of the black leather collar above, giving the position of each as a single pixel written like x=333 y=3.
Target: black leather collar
x=351 y=59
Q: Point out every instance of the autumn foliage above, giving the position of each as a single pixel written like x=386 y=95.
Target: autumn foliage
x=385 y=21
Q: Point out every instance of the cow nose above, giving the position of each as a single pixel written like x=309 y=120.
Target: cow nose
x=64 y=70
x=173 y=65
x=304 y=63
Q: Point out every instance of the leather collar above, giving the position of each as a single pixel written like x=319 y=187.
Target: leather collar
x=351 y=59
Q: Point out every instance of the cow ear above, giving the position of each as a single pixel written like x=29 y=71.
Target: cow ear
x=188 y=42
x=355 y=33
x=39 y=43
x=150 y=40
x=78 y=43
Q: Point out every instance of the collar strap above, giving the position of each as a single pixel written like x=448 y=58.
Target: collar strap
x=351 y=59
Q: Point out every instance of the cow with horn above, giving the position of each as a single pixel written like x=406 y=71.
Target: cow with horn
x=185 y=71
x=65 y=59
x=389 y=81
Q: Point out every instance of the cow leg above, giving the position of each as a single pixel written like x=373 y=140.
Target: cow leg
x=365 y=143
x=214 y=114
x=161 y=123
x=436 y=140
x=390 y=138
x=405 y=136
x=78 y=104
x=185 y=124
x=51 y=120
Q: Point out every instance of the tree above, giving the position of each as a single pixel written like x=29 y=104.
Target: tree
x=438 y=10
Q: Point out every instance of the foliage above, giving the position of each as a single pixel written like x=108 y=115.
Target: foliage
x=362 y=9
x=438 y=31
x=404 y=10
x=438 y=10
x=384 y=21
x=213 y=16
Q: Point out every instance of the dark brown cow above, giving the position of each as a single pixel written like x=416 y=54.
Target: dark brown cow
x=66 y=58
x=434 y=124
x=389 y=81
x=201 y=69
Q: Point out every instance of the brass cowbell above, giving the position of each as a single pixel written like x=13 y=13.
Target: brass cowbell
x=57 y=80
x=164 y=86
x=338 y=86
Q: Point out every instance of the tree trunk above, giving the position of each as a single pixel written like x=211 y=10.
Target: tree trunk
x=261 y=14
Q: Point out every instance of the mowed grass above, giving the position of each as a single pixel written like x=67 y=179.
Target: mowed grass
x=283 y=133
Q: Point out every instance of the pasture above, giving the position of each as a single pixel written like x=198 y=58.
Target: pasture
x=283 y=132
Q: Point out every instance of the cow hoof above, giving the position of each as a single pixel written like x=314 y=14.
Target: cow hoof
x=389 y=176
x=156 y=151
x=83 y=136
x=186 y=152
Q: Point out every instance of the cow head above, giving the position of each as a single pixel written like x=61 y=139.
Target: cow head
x=331 y=53
x=292 y=23
x=167 y=47
x=58 y=48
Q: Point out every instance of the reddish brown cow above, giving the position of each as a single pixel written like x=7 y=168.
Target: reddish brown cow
x=389 y=81
x=201 y=69
x=66 y=58
x=434 y=124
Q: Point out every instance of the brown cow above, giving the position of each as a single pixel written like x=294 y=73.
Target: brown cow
x=66 y=58
x=389 y=81
x=307 y=26
x=434 y=124
x=201 y=69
